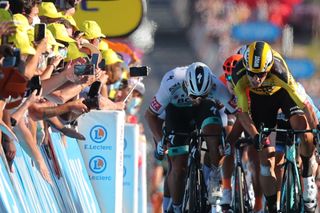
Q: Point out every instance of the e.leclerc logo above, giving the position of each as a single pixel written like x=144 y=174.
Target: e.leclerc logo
x=97 y=164
x=98 y=134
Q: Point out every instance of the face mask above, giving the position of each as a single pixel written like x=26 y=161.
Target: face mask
x=35 y=20
x=133 y=106
x=63 y=52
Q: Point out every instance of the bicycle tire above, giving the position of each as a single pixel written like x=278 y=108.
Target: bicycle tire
x=287 y=197
x=298 y=206
x=193 y=188
x=238 y=200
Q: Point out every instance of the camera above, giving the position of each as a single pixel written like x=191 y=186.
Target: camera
x=84 y=69
x=139 y=71
x=92 y=100
x=39 y=32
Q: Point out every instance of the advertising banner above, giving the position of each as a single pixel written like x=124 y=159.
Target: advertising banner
x=142 y=175
x=102 y=152
x=130 y=168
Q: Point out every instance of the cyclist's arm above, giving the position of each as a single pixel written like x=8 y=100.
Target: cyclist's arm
x=155 y=124
x=310 y=115
x=247 y=123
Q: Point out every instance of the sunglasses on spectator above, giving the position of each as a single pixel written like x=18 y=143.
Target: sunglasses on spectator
x=259 y=75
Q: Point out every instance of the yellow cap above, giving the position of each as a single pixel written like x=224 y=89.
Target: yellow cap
x=91 y=29
x=111 y=57
x=103 y=45
x=21 y=41
x=73 y=52
x=71 y=20
x=49 y=10
x=5 y=15
x=59 y=32
x=21 y=22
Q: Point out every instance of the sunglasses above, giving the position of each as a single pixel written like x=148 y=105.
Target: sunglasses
x=259 y=75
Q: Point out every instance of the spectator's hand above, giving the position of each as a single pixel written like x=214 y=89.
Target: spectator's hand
x=34 y=98
x=56 y=61
x=103 y=77
x=42 y=45
x=7 y=28
x=43 y=169
x=10 y=152
x=78 y=106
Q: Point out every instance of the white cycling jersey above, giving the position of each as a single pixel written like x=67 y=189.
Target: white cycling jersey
x=171 y=91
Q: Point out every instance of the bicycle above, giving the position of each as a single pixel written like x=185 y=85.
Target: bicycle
x=195 y=194
x=291 y=199
x=240 y=193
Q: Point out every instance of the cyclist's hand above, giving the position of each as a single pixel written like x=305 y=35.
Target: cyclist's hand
x=160 y=151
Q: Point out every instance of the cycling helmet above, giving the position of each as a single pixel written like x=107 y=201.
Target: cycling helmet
x=258 y=57
x=242 y=49
x=198 y=79
x=230 y=63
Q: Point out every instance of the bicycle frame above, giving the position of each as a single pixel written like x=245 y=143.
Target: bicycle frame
x=291 y=189
x=240 y=187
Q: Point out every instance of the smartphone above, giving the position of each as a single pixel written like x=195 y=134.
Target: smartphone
x=39 y=32
x=139 y=71
x=4 y=39
x=95 y=89
x=84 y=69
x=94 y=59
x=34 y=84
x=92 y=100
x=4 y=4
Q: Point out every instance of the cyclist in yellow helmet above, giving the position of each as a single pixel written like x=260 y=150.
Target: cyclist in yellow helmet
x=272 y=87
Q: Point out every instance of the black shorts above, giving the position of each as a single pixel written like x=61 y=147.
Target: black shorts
x=264 y=108
x=186 y=119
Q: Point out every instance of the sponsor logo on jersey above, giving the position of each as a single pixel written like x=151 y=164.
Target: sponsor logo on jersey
x=155 y=105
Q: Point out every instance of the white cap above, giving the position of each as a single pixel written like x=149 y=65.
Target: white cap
x=140 y=88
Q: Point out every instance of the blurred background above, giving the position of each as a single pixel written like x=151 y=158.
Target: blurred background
x=181 y=32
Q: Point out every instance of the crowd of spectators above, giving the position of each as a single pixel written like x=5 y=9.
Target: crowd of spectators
x=39 y=87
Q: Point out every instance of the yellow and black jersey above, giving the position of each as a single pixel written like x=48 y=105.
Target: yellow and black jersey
x=278 y=77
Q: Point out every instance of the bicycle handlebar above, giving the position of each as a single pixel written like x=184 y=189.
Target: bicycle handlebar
x=242 y=142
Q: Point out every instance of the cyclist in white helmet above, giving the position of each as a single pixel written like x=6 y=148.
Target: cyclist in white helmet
x=190 y=97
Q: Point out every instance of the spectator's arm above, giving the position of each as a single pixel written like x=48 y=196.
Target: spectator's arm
x=32 y=61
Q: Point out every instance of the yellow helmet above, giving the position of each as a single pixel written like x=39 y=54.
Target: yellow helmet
x=258 y=57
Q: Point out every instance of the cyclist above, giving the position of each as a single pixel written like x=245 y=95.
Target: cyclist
x=188 y=95
x=272 y=87
x=228 y=162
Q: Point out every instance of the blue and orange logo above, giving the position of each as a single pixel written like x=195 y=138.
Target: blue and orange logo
x=98 y=134
x=97 y=164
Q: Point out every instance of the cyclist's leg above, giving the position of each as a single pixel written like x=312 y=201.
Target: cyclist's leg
x=178 y=120
x=228 y=164
x=208 y=119
x=255 y=168
x=264 y=110
x=298 y=121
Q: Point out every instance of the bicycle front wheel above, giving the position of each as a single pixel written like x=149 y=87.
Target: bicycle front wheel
x=197 y=202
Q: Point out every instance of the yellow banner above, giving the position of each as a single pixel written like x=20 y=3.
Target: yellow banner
x=115 y=17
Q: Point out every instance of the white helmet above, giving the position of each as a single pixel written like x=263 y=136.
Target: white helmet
x=198 y=79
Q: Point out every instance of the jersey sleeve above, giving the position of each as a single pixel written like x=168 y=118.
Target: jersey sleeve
x=162 y=98
x=225 y=97
x=241 y=94
x=286 y=81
